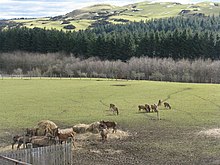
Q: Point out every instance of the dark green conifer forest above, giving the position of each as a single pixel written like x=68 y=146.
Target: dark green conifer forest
x=189 y=37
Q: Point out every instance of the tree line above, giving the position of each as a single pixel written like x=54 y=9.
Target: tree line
x=136 y=68
x=178 y=37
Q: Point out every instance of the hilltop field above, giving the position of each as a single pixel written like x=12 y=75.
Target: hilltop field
x=189 y=133
x=106 y=14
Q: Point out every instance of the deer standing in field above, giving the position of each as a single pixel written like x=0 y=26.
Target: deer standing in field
x=114 y=109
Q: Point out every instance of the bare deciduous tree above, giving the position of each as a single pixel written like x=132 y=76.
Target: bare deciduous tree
x=143 y=68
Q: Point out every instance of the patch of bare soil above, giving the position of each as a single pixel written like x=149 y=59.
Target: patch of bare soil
x=119 y=85
x=215 y=132
x=90 y=149
x=145 y=144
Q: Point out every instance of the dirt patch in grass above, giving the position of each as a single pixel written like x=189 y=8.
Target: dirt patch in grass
x=119 y=85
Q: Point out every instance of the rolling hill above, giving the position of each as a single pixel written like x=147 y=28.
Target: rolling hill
x=105 y=13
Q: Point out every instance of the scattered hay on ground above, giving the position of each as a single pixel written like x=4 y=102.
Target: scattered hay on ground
x=91 y=132
x=5 y=148
x=91 y=136
x=118 y=135
x=65 y=130
x=215 y=132
x=83 y=128
x=80 y=128
x=108 y=151
x=112 y=151
x=94 y=127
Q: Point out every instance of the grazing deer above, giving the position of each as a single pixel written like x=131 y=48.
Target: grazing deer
x=154 y=108
x=159 y=103
x=111 y=107
x=147 y=106
x=167 y=105
x=141 y=107
x=114 y=109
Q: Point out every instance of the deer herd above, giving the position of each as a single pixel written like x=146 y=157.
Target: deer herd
x=153 y=107
x=147 y=108
x=47 y=133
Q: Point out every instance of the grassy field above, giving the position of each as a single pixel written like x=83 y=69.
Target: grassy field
x=195 y=107
x=24 y=102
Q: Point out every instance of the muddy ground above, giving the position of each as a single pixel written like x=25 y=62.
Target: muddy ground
x=144 y=146
x=138 y=145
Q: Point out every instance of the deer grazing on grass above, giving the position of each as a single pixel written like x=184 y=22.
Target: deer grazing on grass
x=141 y=107
x=114 y=109
x=145 y=107
x=167 y=105
x=159 y=103
x=154 y=108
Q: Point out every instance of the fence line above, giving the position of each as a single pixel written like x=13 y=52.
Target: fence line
x=51 y=155
x=6 y=160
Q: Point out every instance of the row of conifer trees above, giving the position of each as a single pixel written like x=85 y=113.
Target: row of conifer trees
x=180 y=37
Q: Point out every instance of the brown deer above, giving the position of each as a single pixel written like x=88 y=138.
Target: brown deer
x=147 y=106
x=103 y=132
x=109 y=124
x=141 y=107
x=154 y=108
x=167 y=105
x=111 y=107
x=159 y=103
x=114 y=109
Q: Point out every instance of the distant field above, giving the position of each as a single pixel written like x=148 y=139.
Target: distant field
x=83 y=18
x=46 y=23
x=174 y=138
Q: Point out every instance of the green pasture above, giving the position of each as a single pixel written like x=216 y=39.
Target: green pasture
x=174 y=139
x=24 y=102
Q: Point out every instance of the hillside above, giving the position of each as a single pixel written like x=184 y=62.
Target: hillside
x=104 y=14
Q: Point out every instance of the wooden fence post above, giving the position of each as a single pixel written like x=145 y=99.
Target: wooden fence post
x=30 y=146
x=24 y=141
x=158 y=115
x=70 y=144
